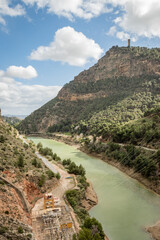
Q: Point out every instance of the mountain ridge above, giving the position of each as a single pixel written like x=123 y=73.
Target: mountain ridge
x=119 y=77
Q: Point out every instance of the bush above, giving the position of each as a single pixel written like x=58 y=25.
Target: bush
x=39 y=145
x=73 y=197
x=58 y=176
x=66 y=162
x=2 y=139
x=50 y=174
x=1 y=182
x=39 y=165
x=3 y=230
x=34 y=162
x=20 y=229
x=41 y=180
x=29 y=236
x=113 y=146
x=20 y=161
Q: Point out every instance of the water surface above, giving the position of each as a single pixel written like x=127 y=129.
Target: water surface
x=125 y=207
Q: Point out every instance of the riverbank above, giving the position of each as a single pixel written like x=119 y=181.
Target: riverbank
x=59 y=146
x=129 y=171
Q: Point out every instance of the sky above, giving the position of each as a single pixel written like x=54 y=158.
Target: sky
x=44 y=44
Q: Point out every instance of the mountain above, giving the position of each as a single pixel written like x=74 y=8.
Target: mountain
x=120 y=87
x=23 y=179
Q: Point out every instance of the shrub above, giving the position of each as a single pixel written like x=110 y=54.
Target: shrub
x=39 y=145
x=2 y=139
x=20 y=229
x=34 y=162
x=20 y=161
x=58 y=176
x=3 y=230
x=50 y=174
x=41 y=180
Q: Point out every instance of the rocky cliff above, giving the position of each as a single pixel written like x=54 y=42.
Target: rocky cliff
x=116 y=81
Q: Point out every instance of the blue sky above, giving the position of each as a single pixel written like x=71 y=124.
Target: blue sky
x=45 y=43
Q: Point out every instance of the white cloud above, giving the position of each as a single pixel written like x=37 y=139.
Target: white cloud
x=122 y=36
x=139 y=17
x=112 y=31
x=21 y=72
x=86 y=9
x=18 y=98
x=7 y=10
x=125 y=36
x=69 y=47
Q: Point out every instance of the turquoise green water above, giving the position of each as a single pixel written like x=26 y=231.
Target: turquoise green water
x=125 y=207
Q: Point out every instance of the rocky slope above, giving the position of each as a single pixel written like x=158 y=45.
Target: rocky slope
x=23 y=180
x=120 y=87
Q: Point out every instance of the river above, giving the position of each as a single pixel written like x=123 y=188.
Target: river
x=125 y=207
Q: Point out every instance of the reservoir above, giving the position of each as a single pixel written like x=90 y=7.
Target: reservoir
x=124 y=207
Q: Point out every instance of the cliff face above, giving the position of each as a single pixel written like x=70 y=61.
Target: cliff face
x=123 y=74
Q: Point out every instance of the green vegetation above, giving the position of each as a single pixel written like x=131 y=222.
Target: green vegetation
x=58 y=176
x=75 y=196
x=142 y=161
x=20 y=162
x=42 y=180
x=145 y=131
x=91 y=230
x=2 y=139
x=48 y=152
x=50 y=174
x=3 y=229
x=20 y=229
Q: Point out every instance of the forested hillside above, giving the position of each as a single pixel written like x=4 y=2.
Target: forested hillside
x=123 y=85
x=134 y=146
x=144 y=132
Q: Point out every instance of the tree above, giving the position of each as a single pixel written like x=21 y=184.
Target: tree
x=39 y=145
x=58 y=176
x=34 y=162
x=50 y=174
x=20 y=161
x=42 y=180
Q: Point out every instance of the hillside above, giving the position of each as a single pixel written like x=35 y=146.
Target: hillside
x=23 y=179
x=123 y=85
x=133 y=148
x=144 y=131
x=14 y=121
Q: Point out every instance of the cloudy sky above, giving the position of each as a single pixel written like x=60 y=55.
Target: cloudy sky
x=45 y=43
